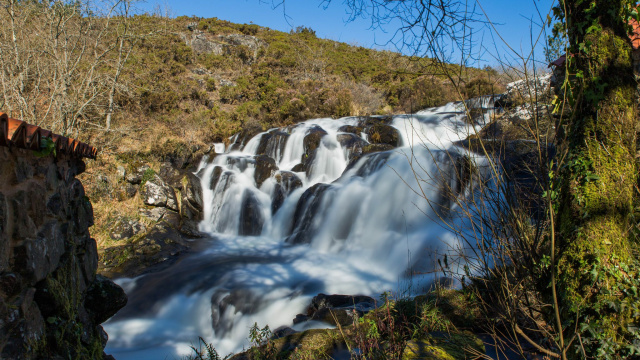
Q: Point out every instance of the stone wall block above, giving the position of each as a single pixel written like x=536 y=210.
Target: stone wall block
x=37 y=207
x=45 y=251
x=5 y=246
x=54 y=205
x=52 y=178
x=34 y=323
x=22 y=170
x=22 y=225
x=89 y=260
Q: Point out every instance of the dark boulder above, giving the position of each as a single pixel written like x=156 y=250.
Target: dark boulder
x=215 y=177
x=373 y=162
x=272 y=144
x=251 y=129
x=191 y=210
x=308 y=209
x=286 y=182
x=339 y=309
x=383 y=134
x=357 y=130
x=311 y=142
x=298 y=168
x=352 y=143
x=104 y=298
x=265 y=168
x=251 y=219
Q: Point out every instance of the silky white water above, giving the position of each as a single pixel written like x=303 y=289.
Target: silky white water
x=371 y=229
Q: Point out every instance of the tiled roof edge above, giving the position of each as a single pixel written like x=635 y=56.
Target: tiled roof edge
x=14 y=132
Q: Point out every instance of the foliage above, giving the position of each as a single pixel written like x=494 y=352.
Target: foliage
x=262 y=348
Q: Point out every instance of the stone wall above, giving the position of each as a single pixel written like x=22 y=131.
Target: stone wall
x=51 y=301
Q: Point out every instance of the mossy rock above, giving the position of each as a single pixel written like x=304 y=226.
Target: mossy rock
x=442 y=346
x=455 y=305
x=383 y=134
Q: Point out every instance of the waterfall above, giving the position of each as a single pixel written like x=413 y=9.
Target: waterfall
x=296 y=211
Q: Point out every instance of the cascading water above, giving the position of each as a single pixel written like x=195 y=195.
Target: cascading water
x=299 y=211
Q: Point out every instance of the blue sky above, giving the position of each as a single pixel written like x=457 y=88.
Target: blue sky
x=511 y=19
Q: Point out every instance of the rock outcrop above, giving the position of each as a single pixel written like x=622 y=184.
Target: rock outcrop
x=173 y=199
x=50 y=305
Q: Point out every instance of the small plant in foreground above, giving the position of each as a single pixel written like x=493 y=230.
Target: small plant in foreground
x=262 y=348
x=204 y=351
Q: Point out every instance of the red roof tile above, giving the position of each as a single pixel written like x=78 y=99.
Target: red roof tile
x=635 y=37
x=18 y=133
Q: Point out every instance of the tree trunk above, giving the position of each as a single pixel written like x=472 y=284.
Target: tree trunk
x=598 y=174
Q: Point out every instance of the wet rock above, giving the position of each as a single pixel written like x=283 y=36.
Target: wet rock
x=242 y=301
x=250 y=130
x=251 y=219
x=383 y=134
x=311 y=142
x=282 y=332
x=126 y=228
x=156 y=193
x=300 y=318
x=135 y=174
x=104 y=298
x=352 y=143
x=272 y=144
x=277 y=198
x=339 y=309
x=215 y=177
x=357 y=130
x=286 y=182
x=370 y=161
x=309 y=207
x=265 y=168
x=367 y=121
x=241 y=163
x=298 y=168
x=191 y=210
x=289 y=181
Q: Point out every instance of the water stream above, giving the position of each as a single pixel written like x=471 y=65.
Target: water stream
x=344 y=223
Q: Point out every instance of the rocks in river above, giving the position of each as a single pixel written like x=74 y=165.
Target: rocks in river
x=357 y=130
x=251 y=219
x=298 y=168
x=286 y=182
x=250 y=130
x=352 y=143
x=337 y=309
x=308 y=208
x=311 y=142
x=242 y=301
x=272 y=144
x=383 y=134
x=215 y=177
x=192 y=207
x=265 y=168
